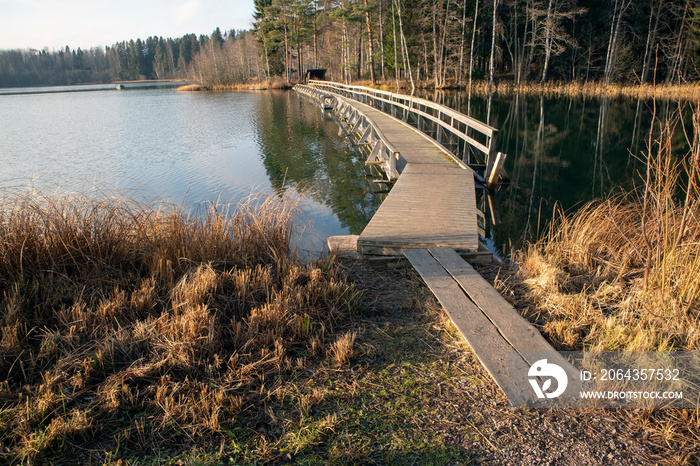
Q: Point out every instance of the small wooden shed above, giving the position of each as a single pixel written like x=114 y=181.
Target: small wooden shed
x=318 y=74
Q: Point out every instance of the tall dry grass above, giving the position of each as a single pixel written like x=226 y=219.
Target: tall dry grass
x=623 y=273
x=593 y=89
x=589 y=89
x=131 y=330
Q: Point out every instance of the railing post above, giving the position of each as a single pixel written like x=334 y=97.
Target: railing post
x=491 y=159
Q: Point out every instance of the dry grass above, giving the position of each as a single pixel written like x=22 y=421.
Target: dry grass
x=687 y=91
x=129 y=330
x=591 y=89
x=193 y=88
x=624 y=273
x=272 y=84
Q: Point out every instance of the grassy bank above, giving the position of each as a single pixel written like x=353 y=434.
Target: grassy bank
x=623 y=273
x=131 y=331
x=133 y=335
x=250 y=86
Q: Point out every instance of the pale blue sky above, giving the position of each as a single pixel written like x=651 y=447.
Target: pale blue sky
x=90 y=23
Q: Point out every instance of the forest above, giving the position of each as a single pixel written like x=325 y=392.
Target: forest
x=438 y=43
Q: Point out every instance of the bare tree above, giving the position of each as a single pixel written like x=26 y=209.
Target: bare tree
x=619 y=10
x=370 y=43
x=556 y=38
x=654 y=16
x=471 y=50
x=493 y=42
x=461 y=44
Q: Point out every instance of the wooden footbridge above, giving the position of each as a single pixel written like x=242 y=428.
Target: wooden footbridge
x=433 y=154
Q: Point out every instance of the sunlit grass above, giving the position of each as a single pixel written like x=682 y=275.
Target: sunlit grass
x=623 y=273
x=137 y=330
x=193 y=88
x=594 y=89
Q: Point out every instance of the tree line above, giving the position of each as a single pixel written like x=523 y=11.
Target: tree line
x=452 y=41
x=440 y=42
x=220 y=57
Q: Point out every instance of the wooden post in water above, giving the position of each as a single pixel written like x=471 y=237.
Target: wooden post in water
x=496 y=170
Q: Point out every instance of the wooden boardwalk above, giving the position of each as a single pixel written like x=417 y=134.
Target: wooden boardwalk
x=430 y=218
x=503 y=341
x=432 y=204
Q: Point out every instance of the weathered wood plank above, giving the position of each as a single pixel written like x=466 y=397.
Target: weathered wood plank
x=515 y=329
x=488 y=344
x=430 y=205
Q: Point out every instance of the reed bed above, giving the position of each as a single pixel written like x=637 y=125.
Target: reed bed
x=623 y=273
x=193 y=88
x=275 y=84
x=687 y=91
x=131 y=330
x=589 y=89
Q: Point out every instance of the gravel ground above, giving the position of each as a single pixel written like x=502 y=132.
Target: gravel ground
x=467 y=410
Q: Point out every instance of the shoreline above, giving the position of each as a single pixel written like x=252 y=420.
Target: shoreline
x=688 y=91
x=256 y=86
x=251 y=355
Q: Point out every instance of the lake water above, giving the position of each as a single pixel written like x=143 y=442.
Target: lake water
x=187 y=149
x=190 y=148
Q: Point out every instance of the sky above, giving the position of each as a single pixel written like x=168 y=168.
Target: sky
x=97 y=23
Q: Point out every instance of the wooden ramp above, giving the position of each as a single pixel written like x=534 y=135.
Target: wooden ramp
x=430 y=217
x=504 y=342
x=432 y=204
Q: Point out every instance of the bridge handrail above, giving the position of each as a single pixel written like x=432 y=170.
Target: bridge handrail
x=390 y=148
x=420 y=108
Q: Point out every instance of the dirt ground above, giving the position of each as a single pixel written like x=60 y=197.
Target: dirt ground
x=423 y=398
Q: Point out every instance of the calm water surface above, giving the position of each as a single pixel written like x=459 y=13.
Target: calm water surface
x=186 y=148
x=190 y=148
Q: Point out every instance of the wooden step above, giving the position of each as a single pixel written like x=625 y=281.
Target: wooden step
x=503 y=341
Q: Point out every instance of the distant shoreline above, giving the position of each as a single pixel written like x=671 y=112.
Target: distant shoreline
x=87 y=87
x=254 y=86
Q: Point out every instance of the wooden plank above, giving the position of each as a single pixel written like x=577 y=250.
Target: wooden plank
x=407 y=220
x=343 y=246
x=515 y=329
x=496 y=170
x=479 y=332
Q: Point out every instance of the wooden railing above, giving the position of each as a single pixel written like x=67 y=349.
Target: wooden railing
x=467 y=138
x=381 y=152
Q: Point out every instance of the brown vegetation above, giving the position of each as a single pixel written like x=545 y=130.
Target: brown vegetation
x=248 y=86
x=193 y=88
x=623 y=273
x=687 y=91
x=129 y=331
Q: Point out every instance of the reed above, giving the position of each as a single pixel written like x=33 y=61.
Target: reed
x=193 y=88
x=687 y=91
x=623 y=273
x=588 y=89
x=132 y=330
x=273 y=84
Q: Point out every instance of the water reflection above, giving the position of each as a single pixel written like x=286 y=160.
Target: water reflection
x=304 y=150
x=563 y=151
